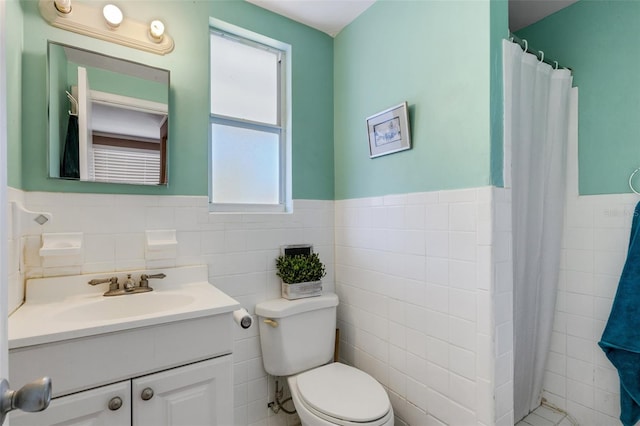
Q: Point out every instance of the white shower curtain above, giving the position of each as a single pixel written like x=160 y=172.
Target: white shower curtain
x=536 y=129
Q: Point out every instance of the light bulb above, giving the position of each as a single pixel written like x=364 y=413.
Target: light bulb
x=156 y=30
x=113 y=15
x=63 y=6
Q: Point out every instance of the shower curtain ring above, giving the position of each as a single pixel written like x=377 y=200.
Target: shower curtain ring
x=631 y=180
x=541 y=55
x=555 y=65
x=526 y=45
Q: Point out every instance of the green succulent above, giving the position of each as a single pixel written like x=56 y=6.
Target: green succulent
x=300 y=268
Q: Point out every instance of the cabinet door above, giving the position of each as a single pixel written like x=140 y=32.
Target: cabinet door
x=88 y=408
x=198 y=394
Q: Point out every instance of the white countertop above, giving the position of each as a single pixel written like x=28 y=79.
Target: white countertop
x=61 y=308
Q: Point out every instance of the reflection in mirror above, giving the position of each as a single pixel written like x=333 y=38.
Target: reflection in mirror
x=108 y=118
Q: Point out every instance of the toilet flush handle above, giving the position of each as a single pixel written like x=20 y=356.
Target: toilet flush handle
x=272 y=323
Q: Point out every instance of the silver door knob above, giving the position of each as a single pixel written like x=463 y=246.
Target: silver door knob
x=115 y=403
x=147 y=394
x=32 y=397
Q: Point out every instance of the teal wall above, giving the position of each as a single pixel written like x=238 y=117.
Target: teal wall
x=14 y=96
x=499 y=31
x=119 y=84
x=312 y=80
x=436 y=56
x=447 y=67
x=188 y=24
x=600 y=41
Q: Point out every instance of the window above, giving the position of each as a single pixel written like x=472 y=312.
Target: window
x=249 y=163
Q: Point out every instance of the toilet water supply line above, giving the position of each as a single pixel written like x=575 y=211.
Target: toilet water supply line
x=278 y=405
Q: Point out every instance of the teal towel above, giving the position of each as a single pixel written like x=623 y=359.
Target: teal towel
x=621 y=337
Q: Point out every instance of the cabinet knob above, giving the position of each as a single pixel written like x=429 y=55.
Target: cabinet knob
x=147 y=394
x=115 y=403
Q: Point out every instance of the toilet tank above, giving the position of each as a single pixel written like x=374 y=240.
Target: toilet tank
x=296 y=335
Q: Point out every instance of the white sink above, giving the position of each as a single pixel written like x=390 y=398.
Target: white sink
x=68 y=330
x=123 y=307
x=62 y=308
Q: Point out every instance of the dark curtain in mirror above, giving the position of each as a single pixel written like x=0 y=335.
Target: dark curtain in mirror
x=70 y=167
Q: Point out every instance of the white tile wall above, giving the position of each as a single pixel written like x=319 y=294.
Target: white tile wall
x=419 y=276
x=15 y=263
x=578 y=377
x=239 y=249
x=424 y=281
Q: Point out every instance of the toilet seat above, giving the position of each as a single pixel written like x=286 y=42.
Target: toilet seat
x=343 y=395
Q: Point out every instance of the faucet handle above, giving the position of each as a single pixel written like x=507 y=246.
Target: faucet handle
x=144 y=278
x=113 y=282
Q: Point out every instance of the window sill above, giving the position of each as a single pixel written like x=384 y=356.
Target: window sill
x=248 y=208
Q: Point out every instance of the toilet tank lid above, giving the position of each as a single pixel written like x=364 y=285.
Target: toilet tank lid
x=280 y=308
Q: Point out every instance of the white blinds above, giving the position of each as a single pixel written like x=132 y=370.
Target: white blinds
x=126 y=165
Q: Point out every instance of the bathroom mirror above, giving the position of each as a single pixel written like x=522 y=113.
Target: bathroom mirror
x=108 y=118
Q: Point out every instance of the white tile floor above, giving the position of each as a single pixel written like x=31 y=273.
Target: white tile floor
x=547 y=416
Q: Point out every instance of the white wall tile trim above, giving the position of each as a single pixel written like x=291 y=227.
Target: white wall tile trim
x=578 y=378
x=239 y=250
x=423 y=278
x=420 y=277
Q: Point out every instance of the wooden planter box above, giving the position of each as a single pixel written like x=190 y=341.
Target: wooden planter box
x=300 y=290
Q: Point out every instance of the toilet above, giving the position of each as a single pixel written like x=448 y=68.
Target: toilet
x=297 y=339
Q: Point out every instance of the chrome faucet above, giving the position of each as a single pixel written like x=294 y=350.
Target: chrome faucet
x=129 y=286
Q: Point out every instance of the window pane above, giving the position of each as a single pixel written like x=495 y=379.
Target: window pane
x=246 y=165
x=244 y=81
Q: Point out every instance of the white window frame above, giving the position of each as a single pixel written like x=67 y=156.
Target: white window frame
x=285 y=204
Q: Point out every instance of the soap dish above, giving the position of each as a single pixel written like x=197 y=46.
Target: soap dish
x=161 y=244
x=68 y=244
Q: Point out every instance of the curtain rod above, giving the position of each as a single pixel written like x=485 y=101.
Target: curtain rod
x=538 y=53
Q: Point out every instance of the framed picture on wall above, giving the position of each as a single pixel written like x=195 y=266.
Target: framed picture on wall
x=389 y=131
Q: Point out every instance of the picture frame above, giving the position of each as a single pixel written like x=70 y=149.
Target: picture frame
x=389 y=131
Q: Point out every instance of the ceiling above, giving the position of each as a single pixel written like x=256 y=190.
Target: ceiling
x=526 y=12
x=331 y=16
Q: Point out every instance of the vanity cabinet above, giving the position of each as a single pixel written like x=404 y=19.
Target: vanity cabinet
x=195 y=394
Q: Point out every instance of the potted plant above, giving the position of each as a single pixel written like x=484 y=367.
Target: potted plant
x=301 y=275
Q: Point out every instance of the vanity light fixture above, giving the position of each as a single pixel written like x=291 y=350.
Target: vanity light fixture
x=89 y=19
x=113 y=15
x=156 y=30
x=63 y=6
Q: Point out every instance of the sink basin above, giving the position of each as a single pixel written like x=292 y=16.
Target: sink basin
x=121 y=307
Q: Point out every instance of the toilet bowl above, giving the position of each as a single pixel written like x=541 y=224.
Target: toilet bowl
x=337 y=394
x=297 y=339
